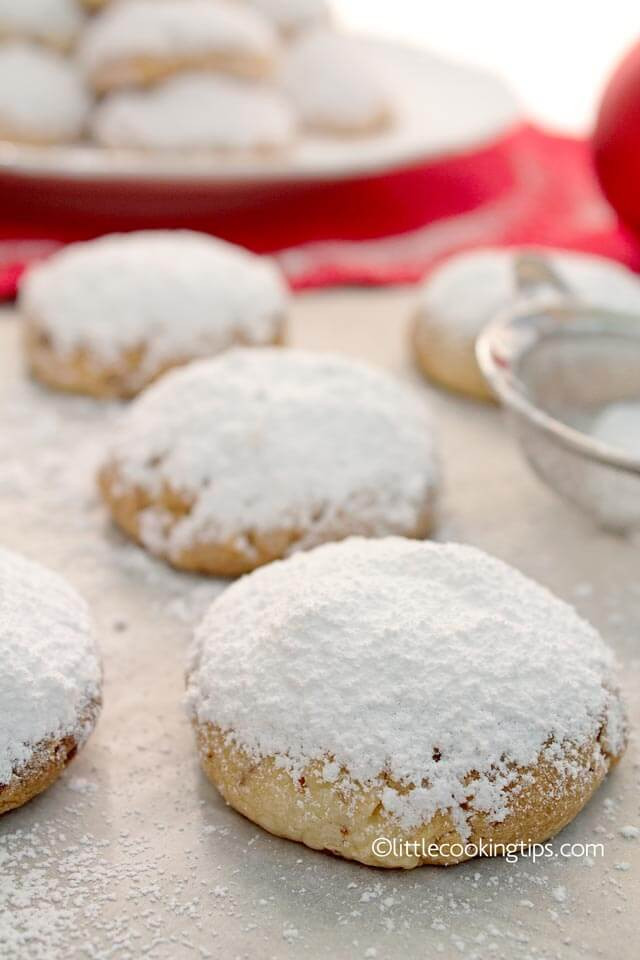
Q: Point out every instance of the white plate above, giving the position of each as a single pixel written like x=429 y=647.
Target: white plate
x=442 y=108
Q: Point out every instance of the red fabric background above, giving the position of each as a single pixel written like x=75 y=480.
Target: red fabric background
x=528 y=187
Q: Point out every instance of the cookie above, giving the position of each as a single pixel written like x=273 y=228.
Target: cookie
x=55 y=22
x=405 y=693
x=335 y=85
x=50 y=680
x=109 y=316
x=140 y=42
x=465 y=293
x=292 y=16
x=197 y=111
x=233 y=462
x=42 y=97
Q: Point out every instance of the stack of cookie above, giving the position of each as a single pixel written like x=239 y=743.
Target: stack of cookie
x=231 y=77
x=185 y=74
x=216 y=75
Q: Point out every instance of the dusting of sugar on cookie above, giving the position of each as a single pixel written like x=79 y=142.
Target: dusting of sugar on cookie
x=267 y=440
x=50 y=669
x=336 y=84
x=469 y=289
x=42 y=98
x=172 y=295
x=197 y=111
x=417 y=660
x=55 y=21
x=175 y=29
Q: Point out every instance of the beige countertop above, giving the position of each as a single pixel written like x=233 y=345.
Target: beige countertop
x=133 y=854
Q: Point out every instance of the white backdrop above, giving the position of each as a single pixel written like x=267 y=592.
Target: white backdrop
x=556 y=53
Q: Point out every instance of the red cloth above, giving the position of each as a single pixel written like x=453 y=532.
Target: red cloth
x=529 y=187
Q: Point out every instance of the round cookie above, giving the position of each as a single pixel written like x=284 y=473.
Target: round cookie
x=139 y=42
x=420 y=693
x=50 y=680
x=336 y=87
x=55 y=22
x=108 y=316
x=292 y=16
x=42 y=97
x=230 y=463
x=461 y=296
x=196 y=111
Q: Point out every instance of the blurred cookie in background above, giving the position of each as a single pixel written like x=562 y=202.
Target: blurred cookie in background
x=140 y=42
x=54 y=22
x=196 y=111
x=462 y=295
x=336 y=86
x=108 y=316
x=43 y=99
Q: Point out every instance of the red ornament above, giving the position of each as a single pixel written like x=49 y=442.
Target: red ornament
x=616 y=141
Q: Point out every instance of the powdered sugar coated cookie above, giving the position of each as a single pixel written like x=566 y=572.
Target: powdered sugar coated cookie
x=335 y=85
x=137 y=42
x=416 y=691
x=42 y=97
x=196 y=111
x=462 y=295
x=52 y=21
x=232 y=462
x=50 y=678
x=108 y=316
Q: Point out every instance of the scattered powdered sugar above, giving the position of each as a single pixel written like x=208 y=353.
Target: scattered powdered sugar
x=98 y=892
x=174 y=29
x=629 y=832
x=291 y=15
x=268 y=439
x=334 y=82
x=468 y=290
x=55 y=494
x=126 y=856
x=176 y=294
x=618 y=425
x=420 y=660
x=42 y=97
x=50 y=669
x=197 y=111
x=55 y=20
x=77 y=883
